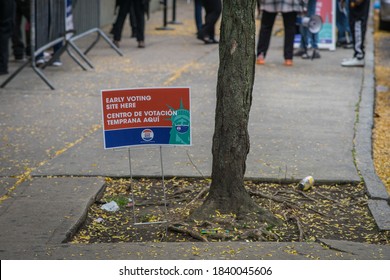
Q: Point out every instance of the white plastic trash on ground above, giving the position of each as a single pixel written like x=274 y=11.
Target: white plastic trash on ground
x=111 y=206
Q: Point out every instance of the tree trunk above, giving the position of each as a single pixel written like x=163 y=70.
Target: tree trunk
x=234 y=98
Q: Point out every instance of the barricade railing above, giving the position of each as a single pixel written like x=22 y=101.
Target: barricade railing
x=46 y=30
x=86 y=17
x=165 y=26
x=49 y=25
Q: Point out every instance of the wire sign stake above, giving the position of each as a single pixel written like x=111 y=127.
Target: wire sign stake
x=164 y=194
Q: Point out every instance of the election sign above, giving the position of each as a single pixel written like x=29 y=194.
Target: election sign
x=146 y=116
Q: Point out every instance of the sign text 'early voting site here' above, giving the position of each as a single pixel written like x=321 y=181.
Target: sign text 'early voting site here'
x=146 y=116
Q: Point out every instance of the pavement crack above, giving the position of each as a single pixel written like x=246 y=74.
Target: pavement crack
x=355 y=129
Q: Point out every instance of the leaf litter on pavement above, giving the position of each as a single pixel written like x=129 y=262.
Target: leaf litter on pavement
x=324 y=212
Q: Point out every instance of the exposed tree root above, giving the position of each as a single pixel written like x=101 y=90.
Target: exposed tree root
x=289 y=203
x=201 y=194
x=187 y=231
x=300 y=228
x=259 y=234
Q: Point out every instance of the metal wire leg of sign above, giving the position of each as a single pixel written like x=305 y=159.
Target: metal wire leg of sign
x=164 y=192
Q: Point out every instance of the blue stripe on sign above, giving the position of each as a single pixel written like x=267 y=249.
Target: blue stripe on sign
x=132 y=137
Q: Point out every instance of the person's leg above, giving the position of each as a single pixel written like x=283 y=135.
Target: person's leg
x=216 y=14
x=340 y=24
x=311 y=11
x=198 y=14
x=17 y=38
x=27 y=28
x=133 y=21
x=267 y=23
x=7 y=9
x=358 y=16
x=140 y=19
x=56 y=51
x=289 y=34
x=213 y=11
x=124 y=7
x=358 y=25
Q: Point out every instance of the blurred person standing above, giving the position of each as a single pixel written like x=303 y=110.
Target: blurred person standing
x=213 y=10
x=308 y=38
x=140 y=6
x=358 y=18
x=20 y=49
x=289 y=10
x=7 y=15
x=198 y=14
x=342 y=23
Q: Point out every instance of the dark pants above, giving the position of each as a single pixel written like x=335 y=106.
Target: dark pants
x=358 y=17
x=7 y=13
x=18 y=46
x=124 y=9
x=267 y=23
x=213 y=10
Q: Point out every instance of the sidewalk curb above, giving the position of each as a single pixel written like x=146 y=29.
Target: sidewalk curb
x=379 y=198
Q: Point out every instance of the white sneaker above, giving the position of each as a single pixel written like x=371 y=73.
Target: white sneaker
x=353 y=62
x=39 y=62
x=57 y=63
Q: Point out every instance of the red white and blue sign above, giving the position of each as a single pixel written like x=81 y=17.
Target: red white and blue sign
x=146 y=116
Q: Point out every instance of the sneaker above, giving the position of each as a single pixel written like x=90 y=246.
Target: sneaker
x=353 y=62
x=288 y=62
x=57 y=63
x=141 y=44
x=260 y=59
x=300 y=52
x=305 y=56
x=40 y=62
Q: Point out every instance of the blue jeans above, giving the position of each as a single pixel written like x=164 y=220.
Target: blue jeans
x=342 y=22
x=307 y=36
x=198 y=14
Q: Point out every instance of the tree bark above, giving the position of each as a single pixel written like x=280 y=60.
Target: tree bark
x=234 y=98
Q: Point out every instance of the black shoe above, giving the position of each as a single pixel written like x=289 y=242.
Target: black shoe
x=116 y=43
x=141 y=44
x=300 y=52
x=3 y=73
x=208 y=41
x=199 y=37
x=316 y=54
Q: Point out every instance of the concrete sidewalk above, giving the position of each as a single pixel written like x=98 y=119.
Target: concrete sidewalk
x=303 y=122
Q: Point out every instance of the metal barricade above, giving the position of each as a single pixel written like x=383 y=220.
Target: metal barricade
x=48 y=27
x=46 y=30
x=86 y=18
